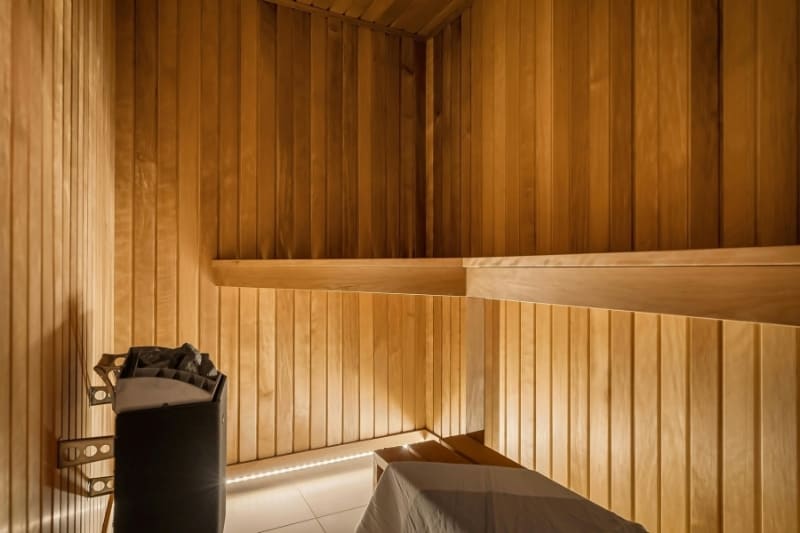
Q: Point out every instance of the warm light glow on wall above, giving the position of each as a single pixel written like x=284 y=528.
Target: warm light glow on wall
x=295 y=468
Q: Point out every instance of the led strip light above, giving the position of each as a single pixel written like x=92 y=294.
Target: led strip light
x=295 y=468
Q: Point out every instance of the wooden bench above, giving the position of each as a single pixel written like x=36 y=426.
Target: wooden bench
x=458 y=449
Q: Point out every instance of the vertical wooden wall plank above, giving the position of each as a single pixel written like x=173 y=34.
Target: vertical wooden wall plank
x=429 y=356
x=740 y=442
x=579 y=190
x=189 y=105
x=421 y=381
x=229 y=131
x=334 y=373
x=542 y=389
x=562 y=124
x=284 y=384
x=622 y=125
x=248 y=377
x=19 y=176
x=145 y=81
x=318 y=151
x=301 y=116
x=266 y=140
x=284 y=177
x=166 y=194
x=527 y=379
x=646 y=125
x=350 y=367
x=248 y=128
x=455 y=365
x=776 y=97
x=445 y=365
x=599 y=400
x=436 y=370
x=579 y=400
x=389 y=121
x=266 y=372
x=350 y=143
x=674 y=427
x=229 y=363
x=704 y=424
x=334 y=238
x=302 y=370
x=779 y=462
x=395 y=364
x=560 y=407
x=32 y=383
x=545 y=71
x=409 y=369
x=512 y=379
x=513 y=99
x=123 y=164
x=499 y=25
x=407 y=178
x=381 y=328
x=476 y=117
x=622 y=407
x=208 y=215
x=490 y=410
x=704 y=149
x=319 y=368
x=527 y=115
x=647 y=448
x=739 y=129
x=673 y=123
x=365 y=138
x=600 y=116
x=366 y=365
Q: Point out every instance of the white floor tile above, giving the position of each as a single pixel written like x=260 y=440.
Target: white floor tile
x=309 y=526
x=344 y=522
x=338 y=487
x=260 y=508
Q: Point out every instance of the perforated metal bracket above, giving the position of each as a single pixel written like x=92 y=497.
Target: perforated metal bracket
x=108 y=368
x=99 y=486
x=99 y=395
x=81 y=451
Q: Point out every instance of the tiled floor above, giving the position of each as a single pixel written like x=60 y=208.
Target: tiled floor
x=327 y=499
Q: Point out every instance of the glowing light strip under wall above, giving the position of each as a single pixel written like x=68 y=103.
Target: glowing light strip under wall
x=295 y=468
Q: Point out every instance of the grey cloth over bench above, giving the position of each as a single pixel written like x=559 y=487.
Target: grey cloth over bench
x=451 y=498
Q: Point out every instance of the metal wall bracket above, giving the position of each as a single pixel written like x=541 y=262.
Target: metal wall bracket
x=81 y=451
x=99 y=486
x=108 y=368
x=100 y=395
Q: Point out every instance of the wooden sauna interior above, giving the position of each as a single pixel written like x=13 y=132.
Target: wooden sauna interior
x=149 y=147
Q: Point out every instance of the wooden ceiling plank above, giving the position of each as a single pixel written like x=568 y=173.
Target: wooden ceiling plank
x=395 y=10
x=357 y=8
x=448 y=13
x=376 y=9
x=418 y=15
x=315 y=10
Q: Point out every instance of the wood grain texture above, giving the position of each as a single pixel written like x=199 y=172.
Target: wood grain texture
x=627 y=125
x=677 y=423
x=737 y=293
x=239 y=177
x=57 y=160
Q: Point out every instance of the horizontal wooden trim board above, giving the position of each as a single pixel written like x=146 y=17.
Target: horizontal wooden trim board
x=440 y=277
x=749 y=284
x=753 y=294
x=751 y=256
